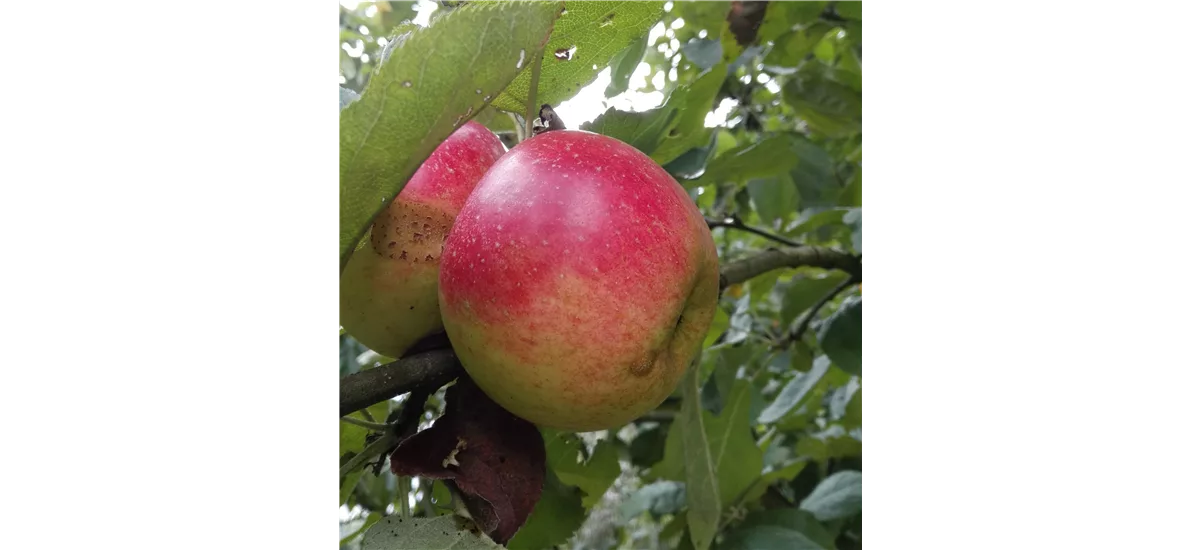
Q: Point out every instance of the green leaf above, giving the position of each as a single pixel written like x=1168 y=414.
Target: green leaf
x=376 y=492
x=424 y=91
x=783 y=472
x=346 y=97
x=593 y=476
x=792 y=48
x=813 y=173
x=794 y=392
x=767 y=536
x=442 y=500
x=830 y=44
x=804 y=292
x=719 y=324
x=782 y=528
x=691 y=165
x=372 y=518
x=495 y=120
x=643 y=130
x=676 y=527
x=854 y=32
x=672 y=464
x=828 y=107
x=720 y=385
x=841 y=336
x=832 y=442
x=807 y=12
x=646 y=450
x=802 y=357
x=837 y=496
x=803 y=417
x=720 y=457
x=852 y=194
x=769 y=157
x=555 y=517
x=693 y=102
x=658 y=498
x=352 y=438
x=849 y=10
x=853 y=417
x=623 y=66
x=776 y=21
x=853 y=219
x=817 y=218
x=348 y=485
x=703 y=52
x=841 y=397
x=709 y=16
x=588 y=35
x=670 y=467
x=849 y=70
x=704 y=492
x=396 y=533
x=773 y=198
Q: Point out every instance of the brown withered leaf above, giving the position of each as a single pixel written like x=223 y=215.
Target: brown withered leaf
x=547 y=121
x=744 y=20
x=496 y=461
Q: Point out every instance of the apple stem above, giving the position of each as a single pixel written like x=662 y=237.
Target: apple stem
x=531 y=104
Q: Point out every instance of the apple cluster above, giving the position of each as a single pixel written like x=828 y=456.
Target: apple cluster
x=574 y=277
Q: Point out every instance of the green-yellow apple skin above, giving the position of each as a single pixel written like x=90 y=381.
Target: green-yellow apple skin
x=579 y=282
x=389 y=286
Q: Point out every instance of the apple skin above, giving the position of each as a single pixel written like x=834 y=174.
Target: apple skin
x=578 y=282
x=389 y=286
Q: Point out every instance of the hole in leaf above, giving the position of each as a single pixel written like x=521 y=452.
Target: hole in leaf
x=565 y=54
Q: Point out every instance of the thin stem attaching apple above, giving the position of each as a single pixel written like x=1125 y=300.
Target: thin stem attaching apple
x=531 y=104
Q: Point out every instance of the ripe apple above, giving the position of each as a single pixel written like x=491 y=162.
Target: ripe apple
x=578 y=282
x=389 y=286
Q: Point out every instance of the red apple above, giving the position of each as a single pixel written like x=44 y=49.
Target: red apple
x=578 y=282
x=389 y=286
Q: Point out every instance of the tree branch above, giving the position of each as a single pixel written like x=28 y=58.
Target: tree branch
x=735 y=223
x=776 y=258
x=394 y=433
x=811 y=314
x=431 y=369
x=373 y=426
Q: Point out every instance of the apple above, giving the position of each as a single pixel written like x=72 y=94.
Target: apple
x=578 y=282
x=389 y=286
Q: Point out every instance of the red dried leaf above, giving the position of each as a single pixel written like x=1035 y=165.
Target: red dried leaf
x=494 y=459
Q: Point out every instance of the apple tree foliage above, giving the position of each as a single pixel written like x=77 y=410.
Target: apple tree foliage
x=760 y=120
